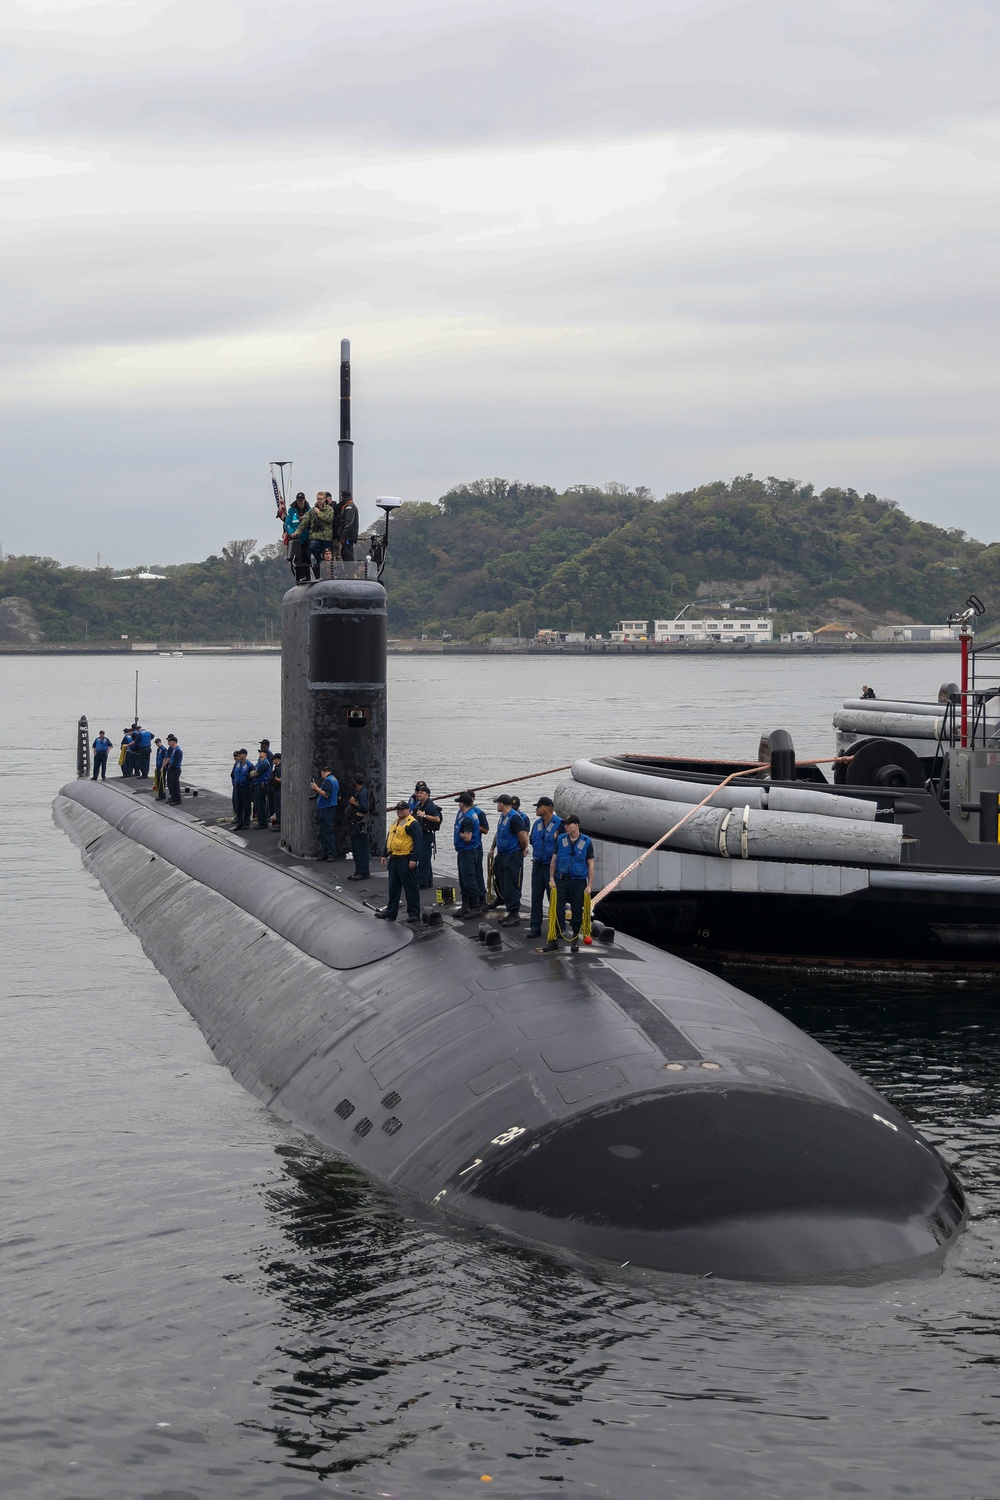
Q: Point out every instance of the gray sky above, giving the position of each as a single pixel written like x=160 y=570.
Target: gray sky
x=584 y=241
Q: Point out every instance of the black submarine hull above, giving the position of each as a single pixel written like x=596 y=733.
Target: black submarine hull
x=617 y=1102
x=899 y=932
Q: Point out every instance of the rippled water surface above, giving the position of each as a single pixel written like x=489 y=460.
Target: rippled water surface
x=198 y=1303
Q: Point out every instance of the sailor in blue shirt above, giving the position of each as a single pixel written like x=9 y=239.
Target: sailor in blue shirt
x=543 y=846
x=327 y=797
x=144 y=745
x=101 y=747
x=510 y=844
x=572 y=869
x=484 y=827
x=125 y=754
x=469 y=856
x=261 y=775
x=160 y=781
x=242 y=790
x=172 y=764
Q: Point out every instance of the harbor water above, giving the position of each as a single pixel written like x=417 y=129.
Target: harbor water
x=202 y=1304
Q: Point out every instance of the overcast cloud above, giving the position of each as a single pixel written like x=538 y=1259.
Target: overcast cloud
x=592 y=240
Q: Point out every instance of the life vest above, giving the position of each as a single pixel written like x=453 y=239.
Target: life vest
x=543 y=840
x=476 y=842
x=571 y=858
x=399 y=839
x=509 y=826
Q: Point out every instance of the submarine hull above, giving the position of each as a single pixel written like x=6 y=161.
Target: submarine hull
x=617 y=1102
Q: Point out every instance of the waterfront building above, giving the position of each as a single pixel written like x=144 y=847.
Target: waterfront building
x=754 y=631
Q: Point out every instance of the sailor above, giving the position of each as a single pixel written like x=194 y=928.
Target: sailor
x=402 y=855
x=572 y=870
x=510 y=844
x=316 y=527
x=125 y=757
x=242 y=790
x=144 y=749
x=160 y=780
x=484 y=827
x=101 y=747
x=172 y=763
x=274 y=789
x=543 y=846
x=428 y=815
x=327 y=797
x=326 y=565
x=469 y=854
x=866 y=691
x=345 y=528
x=261 y=775
x=298 y=558
x=358 y=819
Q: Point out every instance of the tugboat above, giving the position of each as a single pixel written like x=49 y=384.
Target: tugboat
x=894 y=864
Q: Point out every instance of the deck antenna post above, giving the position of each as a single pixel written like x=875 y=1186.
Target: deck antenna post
x=345 y=447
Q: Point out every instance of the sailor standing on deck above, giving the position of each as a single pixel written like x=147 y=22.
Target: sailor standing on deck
x=125 y=753
x=402 y=855
x=144 y=750
x=160 y=780
x=510 y=844
x=101 y=747
x=261 y=775
x=172 y=763
x=327 y=797
x=358 y=810
x=543 y=846
x=242 y=790
x=484 y=827
x=428 y=815
x=572 y=870
x=274 y=788
x=469 y=855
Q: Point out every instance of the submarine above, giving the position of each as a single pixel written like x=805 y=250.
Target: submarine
x=616 y=1102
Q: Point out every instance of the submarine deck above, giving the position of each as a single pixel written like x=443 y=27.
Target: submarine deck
x=213 y=811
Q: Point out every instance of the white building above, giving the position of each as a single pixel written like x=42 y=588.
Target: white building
x=752 y=631
x=631 y=630
x=916 y=633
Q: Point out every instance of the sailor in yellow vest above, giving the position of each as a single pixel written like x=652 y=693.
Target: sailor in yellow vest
x=403 y=843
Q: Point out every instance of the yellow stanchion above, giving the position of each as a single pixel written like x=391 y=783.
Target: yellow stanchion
x=585 y=925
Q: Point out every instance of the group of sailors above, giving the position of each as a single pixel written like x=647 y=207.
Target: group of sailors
x=319 y=535
x=256 y=787
x=562 y=859
x=135 y=753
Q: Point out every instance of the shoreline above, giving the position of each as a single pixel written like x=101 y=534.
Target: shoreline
x=458 y=648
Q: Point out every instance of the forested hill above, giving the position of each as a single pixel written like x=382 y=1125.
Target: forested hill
x=491 y=557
